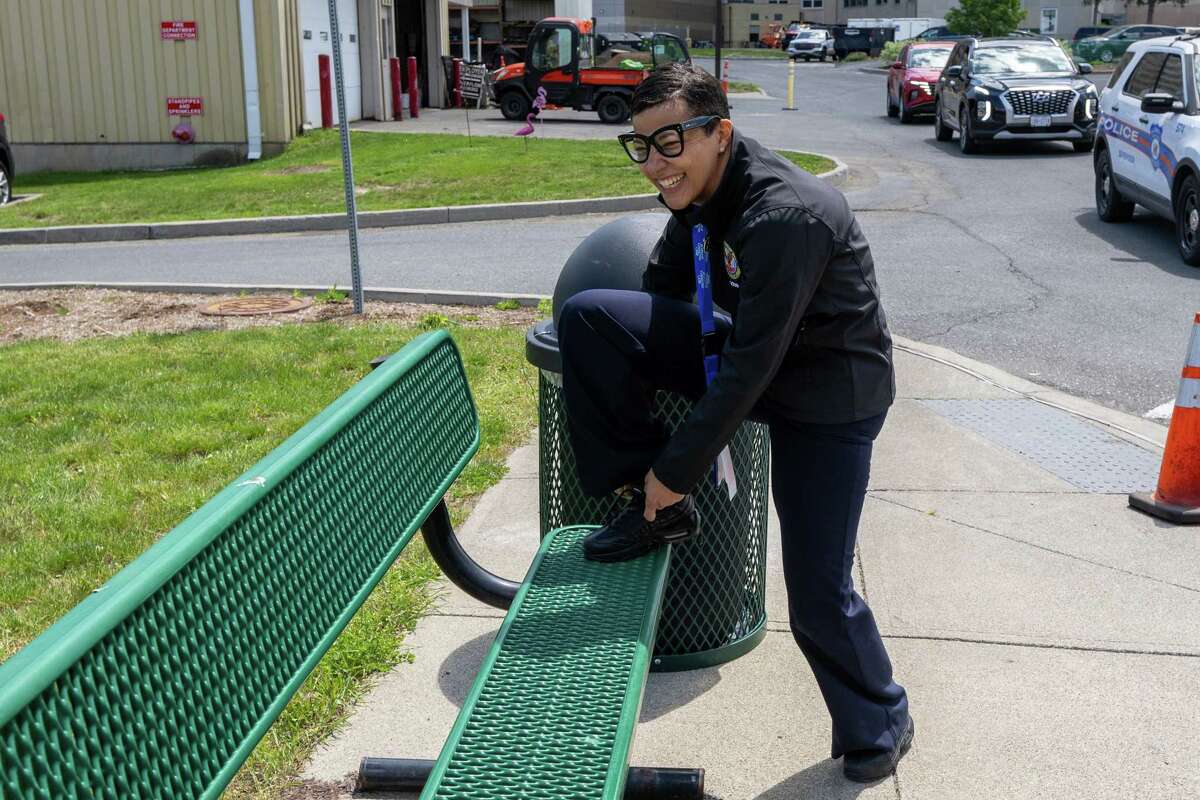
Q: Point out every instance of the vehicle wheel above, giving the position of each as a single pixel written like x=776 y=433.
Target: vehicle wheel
x=514 y=105
x=966 y=142
x=940 y=131
x=906 y=116
x=1187 y=220
x=1106 y=55
x=1111 y=206
x=892 y=110
x=612 y=109
x=1084 y=146
x=5 y=186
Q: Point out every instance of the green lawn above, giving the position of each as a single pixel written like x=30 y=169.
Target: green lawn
x=744 y=86
x=738 y=52
x=109 y=443
x=391 y=171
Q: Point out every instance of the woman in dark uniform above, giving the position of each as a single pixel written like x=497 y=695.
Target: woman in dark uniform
x=805 y=348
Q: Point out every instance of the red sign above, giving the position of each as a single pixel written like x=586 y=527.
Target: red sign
x=178 y=30
x=185 y=106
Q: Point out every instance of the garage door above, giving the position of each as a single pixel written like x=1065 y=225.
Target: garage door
x=314 y=42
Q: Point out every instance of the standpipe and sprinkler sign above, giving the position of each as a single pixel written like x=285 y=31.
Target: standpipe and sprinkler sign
x=185 y=106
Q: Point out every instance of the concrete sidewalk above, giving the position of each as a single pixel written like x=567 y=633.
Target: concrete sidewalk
x=1048 y=636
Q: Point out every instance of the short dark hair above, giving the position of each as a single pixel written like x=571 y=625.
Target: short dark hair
x=687 y=82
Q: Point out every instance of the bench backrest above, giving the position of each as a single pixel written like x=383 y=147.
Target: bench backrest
x=161 y=682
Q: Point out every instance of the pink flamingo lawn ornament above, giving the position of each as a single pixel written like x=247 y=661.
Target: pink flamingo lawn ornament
x=539 y=103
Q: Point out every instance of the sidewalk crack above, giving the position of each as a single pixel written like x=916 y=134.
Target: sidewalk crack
x=1044 y=548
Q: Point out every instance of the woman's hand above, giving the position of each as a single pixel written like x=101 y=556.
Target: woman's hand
x=658 y=496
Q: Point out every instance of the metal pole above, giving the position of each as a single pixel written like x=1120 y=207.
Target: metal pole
x=720 y=34
x=347 y=164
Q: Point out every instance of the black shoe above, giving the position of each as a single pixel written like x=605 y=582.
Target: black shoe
x=867 y=766
x=629 y=535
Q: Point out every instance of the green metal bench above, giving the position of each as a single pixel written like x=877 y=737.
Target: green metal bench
x=161 y=682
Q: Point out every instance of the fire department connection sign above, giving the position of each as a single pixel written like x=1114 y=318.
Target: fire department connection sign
x=178 y=30
x=185 y=106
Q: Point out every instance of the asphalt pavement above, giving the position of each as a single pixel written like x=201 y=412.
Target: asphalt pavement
x=998 y=256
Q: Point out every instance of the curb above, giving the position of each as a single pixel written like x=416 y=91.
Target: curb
x=840 y=172
x=391 y=295
x=75 y=234
x=1127 y=426
x=78 y=234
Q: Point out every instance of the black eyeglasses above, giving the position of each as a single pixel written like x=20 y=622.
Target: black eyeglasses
x=667 y=140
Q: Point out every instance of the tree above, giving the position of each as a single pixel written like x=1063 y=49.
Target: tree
x=985 y=17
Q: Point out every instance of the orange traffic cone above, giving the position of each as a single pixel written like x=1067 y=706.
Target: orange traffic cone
x=725 y=78
x=1177 y=498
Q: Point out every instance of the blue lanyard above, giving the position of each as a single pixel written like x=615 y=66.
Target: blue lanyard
x=708 y=327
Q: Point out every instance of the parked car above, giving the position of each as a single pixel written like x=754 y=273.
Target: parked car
x=1148 y=143
x=6 y=163
x=861 y=40
x=1112 y=45
x=912 y=77
x=811 y=43
x=1014 y=89
x=940 y=33
x=1088 y=32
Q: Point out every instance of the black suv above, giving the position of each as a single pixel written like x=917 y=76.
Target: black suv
x=1014 y=89
x=6 y=164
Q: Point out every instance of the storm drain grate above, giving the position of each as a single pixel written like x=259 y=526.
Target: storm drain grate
x=1082 y=454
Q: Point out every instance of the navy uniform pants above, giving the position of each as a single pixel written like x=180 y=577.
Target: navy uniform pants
x=618 y=347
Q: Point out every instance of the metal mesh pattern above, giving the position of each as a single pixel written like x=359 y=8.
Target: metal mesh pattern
x=1040 y=101
x=169 y=702
x=1082 y=454
x=716 y=592
x=561 y=684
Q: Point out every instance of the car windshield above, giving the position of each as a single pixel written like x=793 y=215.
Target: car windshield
x=931 y=57
x=810 y=35
x=1021 y=59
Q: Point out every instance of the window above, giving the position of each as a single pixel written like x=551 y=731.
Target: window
x=1050 y=20
x=1170 y=80
x=553 y=50
x=1120 y=68
x=754 y=16
x=779 y=17
x=1144 y=75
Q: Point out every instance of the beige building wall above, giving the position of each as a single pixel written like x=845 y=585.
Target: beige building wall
x=743 y=19
x=84 y=85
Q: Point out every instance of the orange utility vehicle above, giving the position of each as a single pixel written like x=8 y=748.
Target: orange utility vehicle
x=562 y=57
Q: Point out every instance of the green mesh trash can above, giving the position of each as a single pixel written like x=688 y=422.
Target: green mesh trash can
x=714 y=609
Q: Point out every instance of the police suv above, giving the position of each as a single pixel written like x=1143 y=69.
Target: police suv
x=1148 y=142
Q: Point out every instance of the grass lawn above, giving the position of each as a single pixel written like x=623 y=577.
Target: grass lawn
x=391 y=172
x=111 y=442
x=744 y=86
x=738 y=52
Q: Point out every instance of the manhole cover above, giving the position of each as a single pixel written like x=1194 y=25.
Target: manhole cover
x=250 y=306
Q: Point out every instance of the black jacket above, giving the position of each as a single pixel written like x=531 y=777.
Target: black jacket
x=809 y=340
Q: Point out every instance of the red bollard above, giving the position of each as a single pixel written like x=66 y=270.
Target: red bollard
x=414 y=90
x=397 y=100
x=323 y=70
x=458 y=83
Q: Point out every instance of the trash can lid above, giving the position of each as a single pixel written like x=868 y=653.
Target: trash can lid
x=541 y=346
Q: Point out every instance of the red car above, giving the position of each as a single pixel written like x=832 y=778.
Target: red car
x=913 y=77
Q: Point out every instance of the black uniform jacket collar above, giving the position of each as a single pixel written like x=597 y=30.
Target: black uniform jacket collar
x=720 y=209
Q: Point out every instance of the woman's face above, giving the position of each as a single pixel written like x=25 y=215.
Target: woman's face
x=693 y=175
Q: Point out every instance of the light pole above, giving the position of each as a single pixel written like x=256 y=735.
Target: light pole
x=720 y=34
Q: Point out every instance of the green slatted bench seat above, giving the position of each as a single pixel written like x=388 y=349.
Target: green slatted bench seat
x=160 y=683
x=552 y=711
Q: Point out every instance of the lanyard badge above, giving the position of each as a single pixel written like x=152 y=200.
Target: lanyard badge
x=722 y=471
